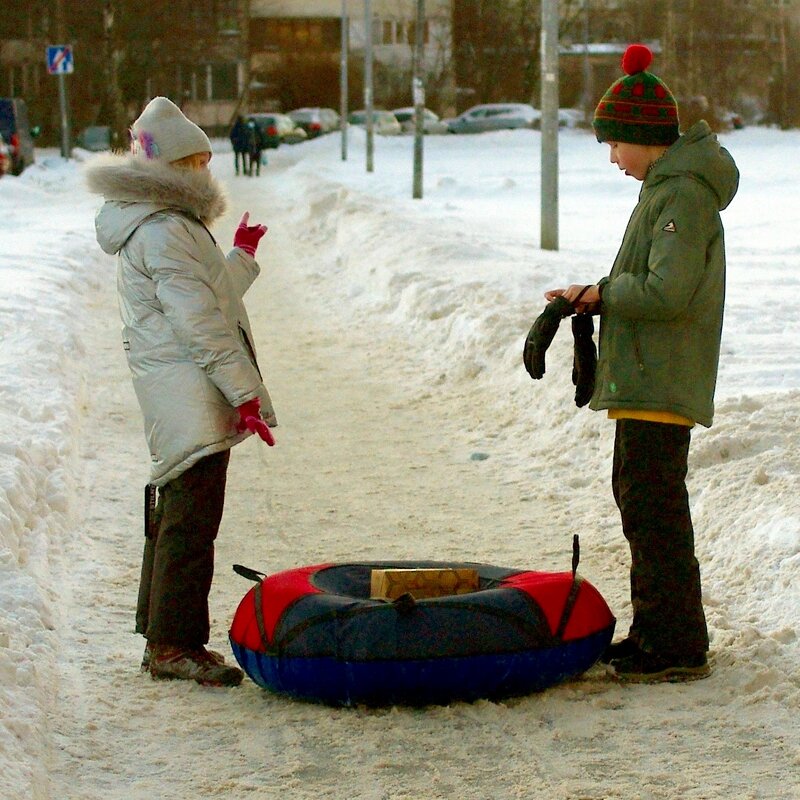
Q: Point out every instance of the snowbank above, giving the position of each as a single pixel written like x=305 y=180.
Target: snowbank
x=460 y=277
x=46 y=271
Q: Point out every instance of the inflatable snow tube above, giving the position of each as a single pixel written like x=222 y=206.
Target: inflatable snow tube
x=314 y=633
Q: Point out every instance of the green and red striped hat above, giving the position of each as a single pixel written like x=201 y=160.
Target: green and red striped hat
x=639 y=108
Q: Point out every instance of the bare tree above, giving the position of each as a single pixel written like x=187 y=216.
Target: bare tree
x=112 y=108
x=711 y=49
x=497 y=47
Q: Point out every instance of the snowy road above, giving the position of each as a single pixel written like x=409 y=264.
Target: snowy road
x=373 y=461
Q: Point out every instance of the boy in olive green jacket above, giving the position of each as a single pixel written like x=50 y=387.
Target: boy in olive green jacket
x=660 y=327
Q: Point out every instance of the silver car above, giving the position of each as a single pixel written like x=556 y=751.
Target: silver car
x=95 y=138
x=383 y=122
x=315 y=121
x=430 y=121
x=276 y=129
x=495 y=117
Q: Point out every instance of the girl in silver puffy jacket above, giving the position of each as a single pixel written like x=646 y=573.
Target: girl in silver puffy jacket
x=192 y=358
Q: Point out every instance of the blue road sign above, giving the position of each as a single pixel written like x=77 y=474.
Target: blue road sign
x=59 y=59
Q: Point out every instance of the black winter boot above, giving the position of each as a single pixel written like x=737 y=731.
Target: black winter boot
x=624 y=648
x=652 y=668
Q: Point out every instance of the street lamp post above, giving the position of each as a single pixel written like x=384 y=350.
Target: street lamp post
x=368 y=84
x=419 y=99
x=343 y=80
x=587 y=67
x=549 y=190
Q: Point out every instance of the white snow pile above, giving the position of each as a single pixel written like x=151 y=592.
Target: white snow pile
x=461 y=275
x=46 y=273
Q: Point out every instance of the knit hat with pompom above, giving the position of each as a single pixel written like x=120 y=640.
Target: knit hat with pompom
x=639 y=108
x=164 y=132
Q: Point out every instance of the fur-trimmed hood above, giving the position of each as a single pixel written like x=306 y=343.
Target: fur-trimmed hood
x=135 y=188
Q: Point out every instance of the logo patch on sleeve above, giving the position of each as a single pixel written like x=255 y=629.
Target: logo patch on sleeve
x=670 y=227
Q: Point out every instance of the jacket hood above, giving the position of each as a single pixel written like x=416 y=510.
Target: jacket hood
x=699 y=155
x=135 y=188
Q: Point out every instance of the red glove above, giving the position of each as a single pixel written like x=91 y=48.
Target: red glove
x=250 y=420
x=247 y=236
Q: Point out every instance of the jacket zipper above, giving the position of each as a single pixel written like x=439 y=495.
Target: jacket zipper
x=637 y=349
x=250 y=351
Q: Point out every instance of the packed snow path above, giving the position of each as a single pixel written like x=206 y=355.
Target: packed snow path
x=373 y=461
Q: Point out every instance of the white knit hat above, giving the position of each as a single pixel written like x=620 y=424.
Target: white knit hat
x=162 y=131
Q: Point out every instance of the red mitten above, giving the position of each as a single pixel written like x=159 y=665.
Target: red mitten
x=250 y=420
x=247 y=236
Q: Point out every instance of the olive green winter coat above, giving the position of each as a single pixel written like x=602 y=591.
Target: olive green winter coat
x=662 y=304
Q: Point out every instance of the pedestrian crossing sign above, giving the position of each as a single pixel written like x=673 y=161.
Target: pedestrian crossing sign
x=59 y=59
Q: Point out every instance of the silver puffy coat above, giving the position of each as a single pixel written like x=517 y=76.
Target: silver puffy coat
x=185 y=328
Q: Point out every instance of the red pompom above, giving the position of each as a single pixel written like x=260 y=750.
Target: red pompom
x=637 y=58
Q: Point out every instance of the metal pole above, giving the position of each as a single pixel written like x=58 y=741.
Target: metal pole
x=783 y=117
x=587 y=68
x=343 y=80
x=419 y=99
x=62 y=101
x=61 y=35
x=549 y=198
x=368 y=83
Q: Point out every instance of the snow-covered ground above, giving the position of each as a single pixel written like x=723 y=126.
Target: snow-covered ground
x=392 y=331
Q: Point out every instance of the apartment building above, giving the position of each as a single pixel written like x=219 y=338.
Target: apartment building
x=216 y=57
x=193 y=51
x=295 y=48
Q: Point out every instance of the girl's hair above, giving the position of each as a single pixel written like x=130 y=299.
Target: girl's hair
x=189 y=162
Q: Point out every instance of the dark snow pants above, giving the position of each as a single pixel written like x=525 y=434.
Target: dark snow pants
x=255 y=162
x=649 y=483
x=178 y=560
x=243 y=155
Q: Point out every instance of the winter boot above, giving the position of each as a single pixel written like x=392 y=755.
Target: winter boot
x=624 y=648
x=652 y=668
x=175 y=662
x=148 y=652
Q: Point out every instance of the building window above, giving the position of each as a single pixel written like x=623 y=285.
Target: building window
x=412 y=33
x=295 y=33
x=224 y=84
x=226 y=13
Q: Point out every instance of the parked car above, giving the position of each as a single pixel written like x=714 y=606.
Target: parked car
x=95 y=138
x=567 y=118
x=571 y=118
x=277 y=129
x=5 y=158
x=495 y=117
x=383 y=122
x=17 y=132
x=430 y=121
x=315 y=121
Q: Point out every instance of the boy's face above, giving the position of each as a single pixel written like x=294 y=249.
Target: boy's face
x=634 y=159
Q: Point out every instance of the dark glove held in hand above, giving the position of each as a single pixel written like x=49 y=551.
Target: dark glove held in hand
x=584 y=358
x=541 y=335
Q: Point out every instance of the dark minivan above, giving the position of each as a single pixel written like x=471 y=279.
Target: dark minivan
x=16 y=131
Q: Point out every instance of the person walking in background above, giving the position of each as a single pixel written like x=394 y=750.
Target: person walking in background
x=240 y=141
x=661 y=312
x=255 y=144
x=190 y=350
